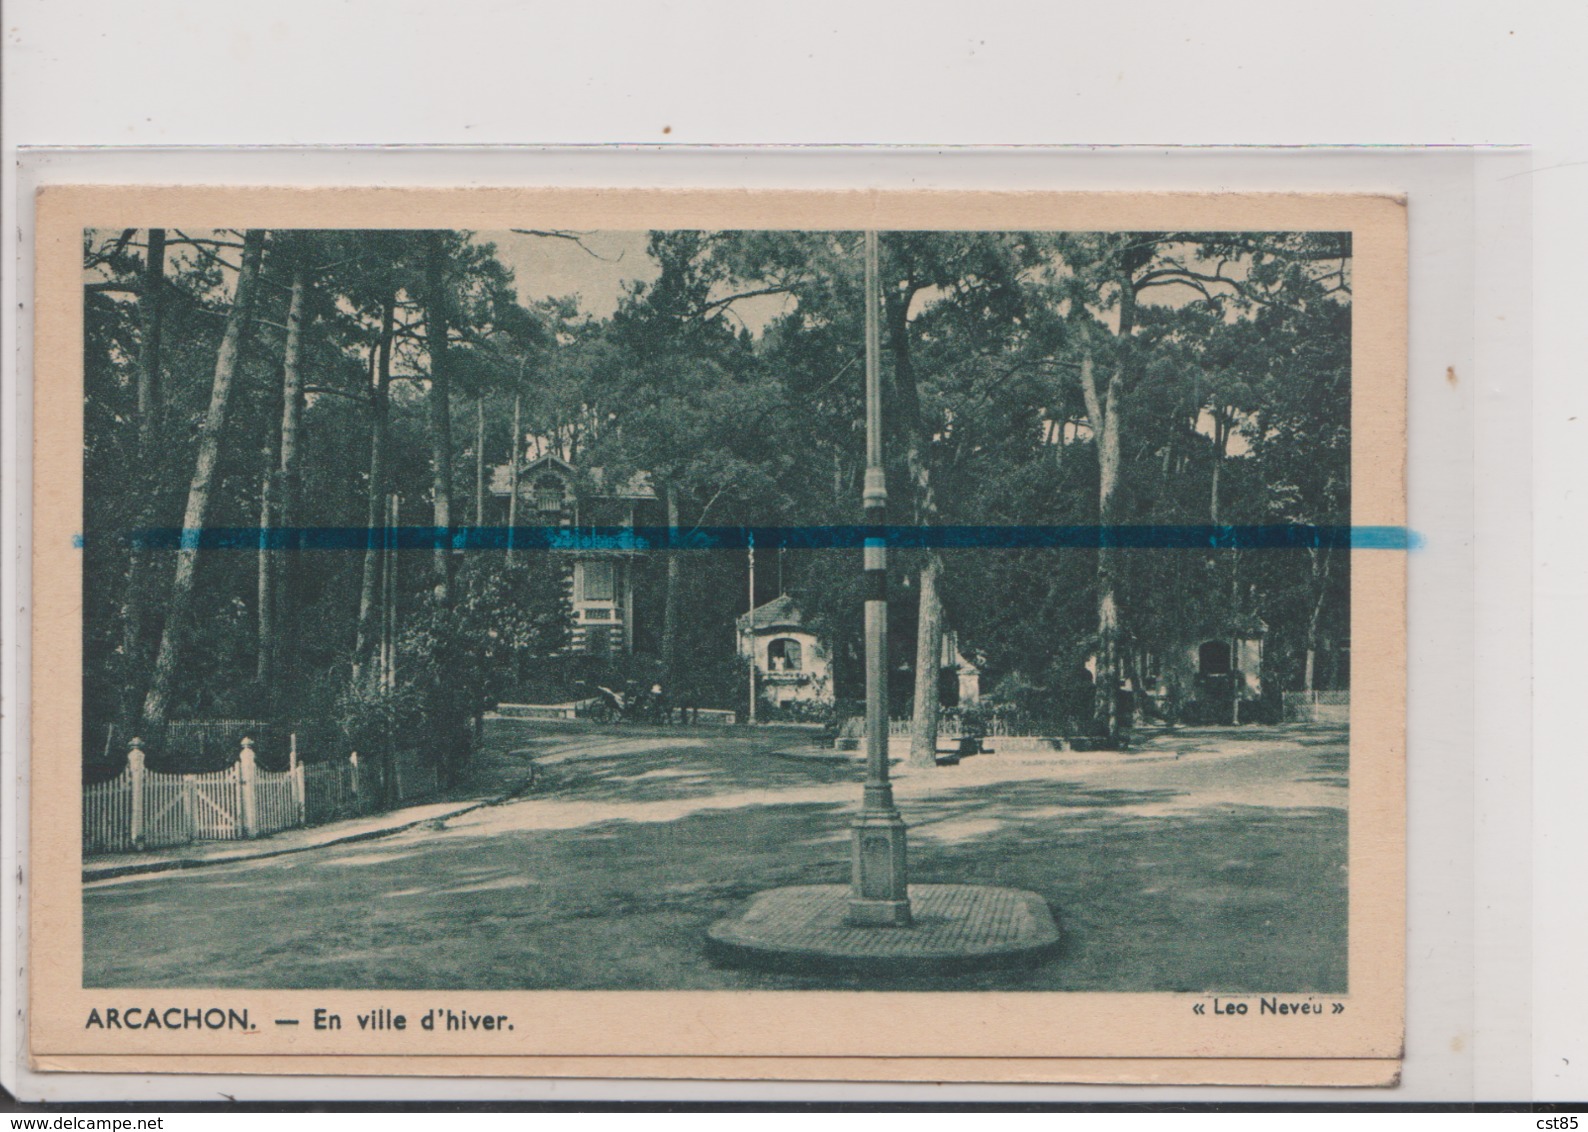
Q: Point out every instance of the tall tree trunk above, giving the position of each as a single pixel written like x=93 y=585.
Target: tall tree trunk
x=1237 y=674
x=264 y=637
x=929 y=612
x=1108 y=564
x=513 y=462
x=1320 y=579
x=178 y=608
x=1103 y=408
x=928 y=662
x=388 y=666
x=479 y=461
x=150 y=300
x=440 y=411
x=292 y=397
x=1220 y=441
x=670 y=597
x=279 y=504
x=376 y=510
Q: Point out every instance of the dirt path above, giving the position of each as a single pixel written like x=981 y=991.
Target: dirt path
x=1212 y=860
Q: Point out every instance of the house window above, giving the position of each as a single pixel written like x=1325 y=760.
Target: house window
x=549 y=495
x=594 y=614
x=783 y=655
x=1213 y=658
x=597 y=582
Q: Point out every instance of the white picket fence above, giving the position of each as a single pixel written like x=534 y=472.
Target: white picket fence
x=1317 y=707
x=144 y=809
x=330 y=791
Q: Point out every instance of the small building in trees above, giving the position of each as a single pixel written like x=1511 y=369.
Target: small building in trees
x=792 y=663
x=551 y=492
x=1212 y=677
x=967 y=672
x=958 y=675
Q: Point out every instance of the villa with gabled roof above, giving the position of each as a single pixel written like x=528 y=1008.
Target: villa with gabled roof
x=552 y=492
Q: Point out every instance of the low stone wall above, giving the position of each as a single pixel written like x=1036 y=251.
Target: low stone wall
x=1024 y=744
x=711 y=717
x=538 y=711
x=899 y=745
x=719 y=717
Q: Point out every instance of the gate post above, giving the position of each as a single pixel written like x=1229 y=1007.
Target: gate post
x=245 y=770
x=294 y=767
x=357 y=802
x=135 y=775
x=190 y=805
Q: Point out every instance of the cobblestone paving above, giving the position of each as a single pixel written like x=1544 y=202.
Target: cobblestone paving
x=949 y=921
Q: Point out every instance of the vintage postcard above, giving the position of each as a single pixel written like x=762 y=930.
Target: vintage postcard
x=847 y=635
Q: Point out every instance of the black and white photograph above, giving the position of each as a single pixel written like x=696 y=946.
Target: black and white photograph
x=843 y=559
x=688 y=609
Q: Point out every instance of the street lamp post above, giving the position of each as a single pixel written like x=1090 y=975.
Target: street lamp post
x=798 y=926
x=880 y=885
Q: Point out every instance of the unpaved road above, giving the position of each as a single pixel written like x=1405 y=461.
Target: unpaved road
x=1210 y=860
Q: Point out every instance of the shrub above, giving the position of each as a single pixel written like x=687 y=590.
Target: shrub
x=796 y=711
x=372 y=717
x=719 y=680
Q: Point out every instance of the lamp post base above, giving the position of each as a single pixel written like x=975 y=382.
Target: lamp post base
x=879 y=874
x=878 y=913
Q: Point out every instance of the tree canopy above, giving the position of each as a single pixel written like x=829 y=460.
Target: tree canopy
x=298 y=379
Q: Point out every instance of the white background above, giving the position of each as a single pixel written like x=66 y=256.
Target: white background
x=1497 y=994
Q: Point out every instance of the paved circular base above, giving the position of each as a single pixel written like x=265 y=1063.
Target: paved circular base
x=956 y=926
